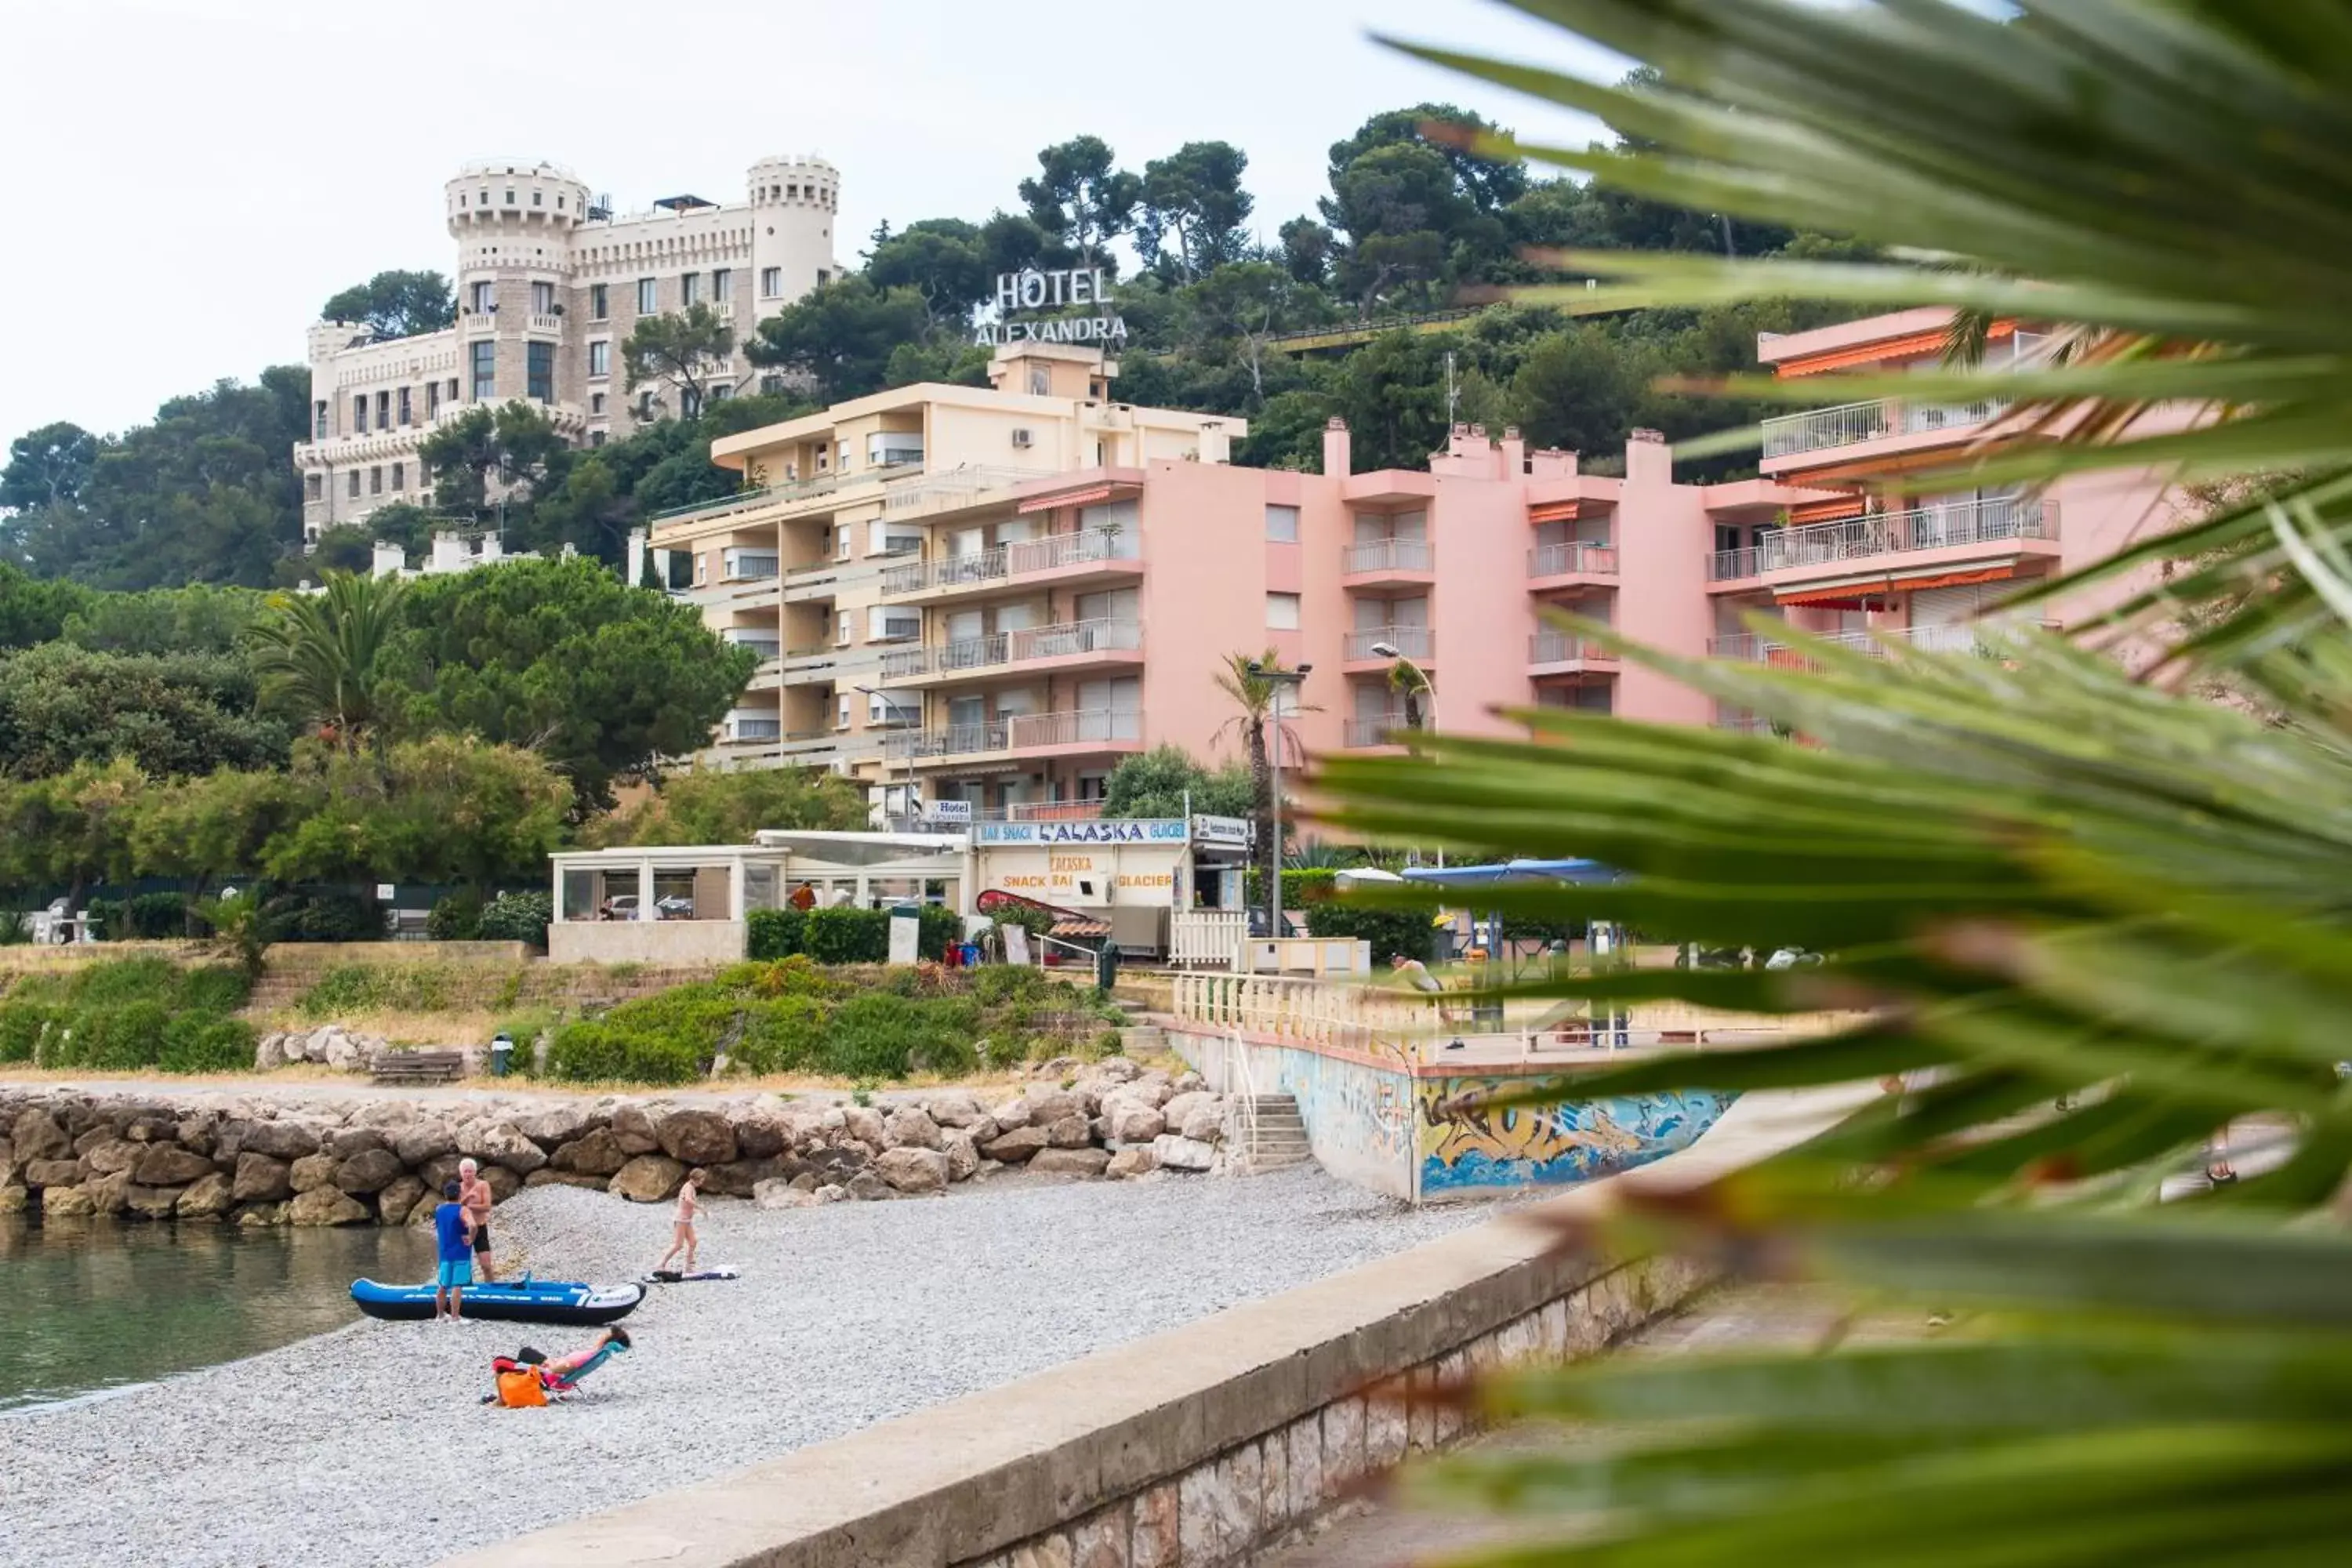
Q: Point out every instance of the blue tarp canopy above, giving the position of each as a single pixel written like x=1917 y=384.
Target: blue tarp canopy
x=1514 y=871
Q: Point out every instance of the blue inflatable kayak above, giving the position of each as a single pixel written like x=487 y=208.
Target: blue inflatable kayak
x=516 y=1301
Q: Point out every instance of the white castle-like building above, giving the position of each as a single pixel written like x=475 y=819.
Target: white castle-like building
x=549 y=283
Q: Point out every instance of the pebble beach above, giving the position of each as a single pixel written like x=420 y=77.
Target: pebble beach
x=369 y=1446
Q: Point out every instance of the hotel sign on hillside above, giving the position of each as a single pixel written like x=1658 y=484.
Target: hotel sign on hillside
x=1020 y=293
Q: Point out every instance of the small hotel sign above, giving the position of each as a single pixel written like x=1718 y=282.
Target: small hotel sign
x=1034 y=290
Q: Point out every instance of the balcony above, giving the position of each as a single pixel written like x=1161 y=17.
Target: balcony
x=1070 y=640
x=1373 y=730
x=1376 y=561
x=1565 y=653
x=1792 y=434
x=1067 y=554
x=547 y=323
x=1572 y=560
x=1990 y=640
x=1091 y=729
x=1411 y=642
x=739 y=730
x=1840 y=547
x=766 y=643
x=953 y=490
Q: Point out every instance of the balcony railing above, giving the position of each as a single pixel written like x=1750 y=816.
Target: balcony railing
x=1726 y=564
x=791 y=490
x=756 y=730
x=1561 y=648
x=954 y=487
x=766 y=646
x=1374 y=730
x=1041 y=811
x=1060 y=641
x=1020 y=732
x=1888 y=533
x=545 y=322
x=1791 y=434
x=1411 y=642
x=1557 y=560
x=1009 y=561
x=1990 y=638
x=1386 y=556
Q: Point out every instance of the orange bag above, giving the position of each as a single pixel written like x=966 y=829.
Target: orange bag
x=521 y=1388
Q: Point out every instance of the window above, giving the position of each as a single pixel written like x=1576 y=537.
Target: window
x=1281 y=525
x=597 y=403
x=314 y=487
x=690 y=403
x=600 y=357
x=538 y=372
x=453 y=389
x=645 y=404
x=721 y=393
x=596 y=437
x=535 y=199
x=1282 y=612
x=375 y=480
x=542 y=299
x=722 y=285
x=771 y=282
x=823 y=278
x=355 y=484
x=1041 y=381
x=319 y=420
x=841 y=713
x=431 y=398
x=510 y=201
x=407 y=408
x=689 y=290
x=600 y=306
x=486 y=370
x=400 y=476
x=359 y=414
x=772 y=386
x=486 y=298
x=842 y=624
x=383 y=410
x=649 y=295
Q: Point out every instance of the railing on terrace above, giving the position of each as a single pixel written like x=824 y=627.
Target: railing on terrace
x=1375 y=730
x=1042 y=811
x=954 y=488
x=1734 y=645
x=1019 y=733
x=756 y=730
x=1412 y=642
x=1726 y=564
x=1386 y=556
x=1990 y=638
x=1560 y=647
x=790 y=491
x=1790 y=434
x=1557 y=559
x=1937 y=527
x=766 y=648
x=1029 y=643
x=1006 y=561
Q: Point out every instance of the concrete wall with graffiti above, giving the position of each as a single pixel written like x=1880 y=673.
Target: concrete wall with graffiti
x=1358 y=1114
x=1463 y=1144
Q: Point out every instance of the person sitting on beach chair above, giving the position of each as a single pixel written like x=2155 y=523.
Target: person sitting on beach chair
x=528 y=1378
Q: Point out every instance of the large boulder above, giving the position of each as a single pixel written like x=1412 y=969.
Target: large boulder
x=868 y=1187
x=398 y=1198
x=647 y=1178
x=427 y=1138
x=499 y=1143
x=195 y=1131
x=1176 y=1108
x=962 y=1152
x=279 y=1140
x=1132 y=1121
x=394 y=1114
x=1118 y=1070
x=109 y=1194
x=15 y=1197
x=636 y=1130
x=503 y=1184
x=112 y=1154
x=345 y=1143
x=1071 y=1162
x=1047 y=1106
x=152 y=1203
x=269 y=1051
x=311 y=1171
x=1205 y=1123
x=207 y=1197
x=955 y=1108
x=912 y=1170
x=1012 y=1113
x=864 y=1124
x=1173 y=1152
x=782 y=1196
x=697 y=1137
x=738 y=1178
x=595 y=1153
x=327 y=1206
x=52 y=1173
x=260 y=1179
x=1072 y=1131
x=1131 y=1161
x=60 y=1203
x=1014 y=1147
x=761 y=1135
x=548 y=1128
x=169 y=1165
x=37 y=1136
x=371 y=1170
x=907 y=1128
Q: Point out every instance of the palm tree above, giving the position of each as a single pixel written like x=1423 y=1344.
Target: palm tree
x=1245 y=680
x=2097 y=920
x=319 y=655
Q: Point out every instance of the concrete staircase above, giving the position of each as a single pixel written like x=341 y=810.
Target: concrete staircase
x=1139 y=1036
x=1273 y=1137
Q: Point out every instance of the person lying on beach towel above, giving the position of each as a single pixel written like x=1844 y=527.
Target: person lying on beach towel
x=528 y=1378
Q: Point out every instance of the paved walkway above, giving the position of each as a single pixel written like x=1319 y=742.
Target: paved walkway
x=1391 y=1535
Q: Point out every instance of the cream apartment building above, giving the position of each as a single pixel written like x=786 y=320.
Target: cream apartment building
x=549 y=283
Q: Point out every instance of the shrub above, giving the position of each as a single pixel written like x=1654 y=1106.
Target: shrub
x=196 y=1042
x=774 y=933
x=601 y=1048
x=213 y=988
x=457 y=918
x=846 y=936
x=936 y=926
x=376 y=988
x=1391 y=932
x=15 y=928
x=786 y=1035
x=114 y=980
x=328 y=915
x=516 y=917
x=115 y=1039
x=22 y=1025
x=1302 y=886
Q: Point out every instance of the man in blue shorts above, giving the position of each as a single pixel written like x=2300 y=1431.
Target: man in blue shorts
x=453 y=1231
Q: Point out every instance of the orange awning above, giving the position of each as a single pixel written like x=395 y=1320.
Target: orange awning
x=1068 y=498
x=1928 y=342
x=1951 y=579
x=1554 y=511
x=1853 y=596
x=1827 y=510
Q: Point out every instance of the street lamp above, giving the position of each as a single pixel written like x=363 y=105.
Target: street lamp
x=1389 y=650
x=1281 y=681
x=883 y=695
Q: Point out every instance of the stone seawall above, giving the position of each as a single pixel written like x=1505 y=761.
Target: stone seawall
x=251 y=1162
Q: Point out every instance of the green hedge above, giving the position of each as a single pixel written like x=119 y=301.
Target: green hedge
x=1301 y=886
x=125 y=1015
x=1391 y=932
x=844 y=935
x=516 y=917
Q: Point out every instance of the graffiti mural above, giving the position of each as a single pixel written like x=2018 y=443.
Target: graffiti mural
x=1466 y=1144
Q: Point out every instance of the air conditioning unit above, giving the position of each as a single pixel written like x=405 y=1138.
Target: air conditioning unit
x=1024 y=438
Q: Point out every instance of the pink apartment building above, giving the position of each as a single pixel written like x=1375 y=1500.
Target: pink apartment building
x=991 y=595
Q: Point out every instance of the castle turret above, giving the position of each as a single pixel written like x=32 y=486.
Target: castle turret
x=795 y=203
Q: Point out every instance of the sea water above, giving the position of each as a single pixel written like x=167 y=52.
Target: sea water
x=90 y=1304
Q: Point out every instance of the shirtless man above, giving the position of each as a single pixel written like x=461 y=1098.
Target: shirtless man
x=475 y=1196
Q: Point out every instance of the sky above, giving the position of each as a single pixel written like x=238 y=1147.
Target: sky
x=191 y=178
